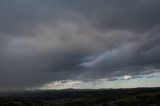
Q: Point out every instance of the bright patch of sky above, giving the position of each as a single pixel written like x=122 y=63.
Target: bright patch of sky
x=126 y=81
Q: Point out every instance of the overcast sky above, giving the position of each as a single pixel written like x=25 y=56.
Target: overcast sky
x=49 y=44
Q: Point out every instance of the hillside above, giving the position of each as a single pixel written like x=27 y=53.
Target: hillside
x=86 y=97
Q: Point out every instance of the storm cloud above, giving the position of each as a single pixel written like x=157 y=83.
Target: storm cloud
x=52 y=40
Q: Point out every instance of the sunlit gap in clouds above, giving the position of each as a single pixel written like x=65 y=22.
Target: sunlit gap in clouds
x=118 y=82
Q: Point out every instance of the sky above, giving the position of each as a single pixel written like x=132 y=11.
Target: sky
x=82 y=44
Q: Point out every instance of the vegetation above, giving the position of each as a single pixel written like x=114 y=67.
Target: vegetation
x=120 y=97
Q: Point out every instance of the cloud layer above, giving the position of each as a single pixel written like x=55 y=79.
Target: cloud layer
x=43 y=40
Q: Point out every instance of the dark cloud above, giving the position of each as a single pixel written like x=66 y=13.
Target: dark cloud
x=45 y=40
x=138 y=57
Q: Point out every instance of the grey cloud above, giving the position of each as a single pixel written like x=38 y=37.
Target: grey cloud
x=18 y=17
x=44 y=40
x=138 y=57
